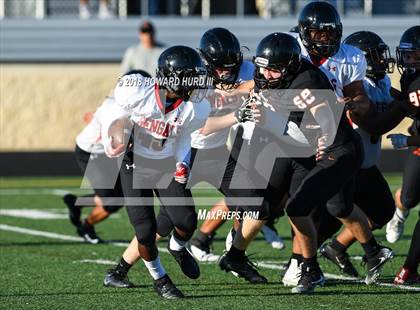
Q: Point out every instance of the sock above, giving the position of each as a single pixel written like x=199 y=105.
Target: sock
x=402 y=214
x=310 y=262
x=339 y=247
x=413 y=257
x=235 y=253
x=123 y=267
x=175 y=244
x=86 y=224
x=298 y=257
x=202 y=237
x=371 y=247
x=156 y=270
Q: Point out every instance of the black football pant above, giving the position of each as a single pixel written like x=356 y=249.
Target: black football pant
x=155 y=176
x=329 y=181
x=372 y=195
x=410 y=193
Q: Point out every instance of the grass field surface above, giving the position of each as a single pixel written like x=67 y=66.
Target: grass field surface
x=44 y=264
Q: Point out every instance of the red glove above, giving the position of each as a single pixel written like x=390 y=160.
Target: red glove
x=182 y=172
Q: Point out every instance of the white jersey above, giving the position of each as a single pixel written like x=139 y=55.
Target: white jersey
x=379 y=94
x=89 y=139
x=160 y=132
x=345 y=67
x=219 y=138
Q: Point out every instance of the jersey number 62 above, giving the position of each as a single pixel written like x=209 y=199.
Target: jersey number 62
x=304 y=99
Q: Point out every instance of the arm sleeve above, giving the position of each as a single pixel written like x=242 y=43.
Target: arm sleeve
x=183 y=143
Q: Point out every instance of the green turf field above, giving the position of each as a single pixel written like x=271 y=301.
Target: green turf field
x=43 y=265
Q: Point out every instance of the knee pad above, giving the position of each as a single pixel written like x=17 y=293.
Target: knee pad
x=296 y=210
x=145 y=232
x=340 y=210
x=112 y=209
x=382 y=219
x=164 y=225
x=186 y=223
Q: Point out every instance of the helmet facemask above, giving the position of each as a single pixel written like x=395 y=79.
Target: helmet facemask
x=287 y=74
x=379 y=62
x=408 y=59
x=230 y=72
x=184 y=82
x=320 y=47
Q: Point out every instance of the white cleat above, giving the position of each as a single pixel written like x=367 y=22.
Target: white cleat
x=394 y=228
x=273 y=238
x=203 y=256
x=293 y=272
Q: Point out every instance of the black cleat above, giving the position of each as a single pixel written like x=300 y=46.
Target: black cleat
x=243 y=267
x=309 y=279
x=74 y=211
x=187 y=262
x=166 y=289
x=342 y=260
x=376 y=263
x=114 y=278
x=88 y=233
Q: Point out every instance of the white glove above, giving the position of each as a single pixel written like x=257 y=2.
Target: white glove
x=182 y=172
x=399 y=141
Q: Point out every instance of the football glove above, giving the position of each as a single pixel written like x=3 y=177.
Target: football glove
x=244 y=114
x=399 y=141
x=182 y=172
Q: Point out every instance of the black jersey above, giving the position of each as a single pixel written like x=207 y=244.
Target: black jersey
x=307 y=82
x=410 y=89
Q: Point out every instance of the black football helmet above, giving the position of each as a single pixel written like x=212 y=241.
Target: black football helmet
x=320 y=16
x=294 y=29
x=409 y=48
x=142 y=72
x=280 y=52
x=180 y=70
x=220 y=50
x=378 y=57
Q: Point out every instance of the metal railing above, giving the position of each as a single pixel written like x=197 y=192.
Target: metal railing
x=41 y=9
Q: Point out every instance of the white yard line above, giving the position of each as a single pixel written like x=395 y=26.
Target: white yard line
x=262 y=264
x=96 y=261
x=41 y=214
x=40 y=191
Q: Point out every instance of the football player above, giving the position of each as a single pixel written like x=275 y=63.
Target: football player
x=164 y=115
x=222 y=56
x=408 y=60
x=372 y=193
x=320 y=32
x=279 y=65
x=90 y=151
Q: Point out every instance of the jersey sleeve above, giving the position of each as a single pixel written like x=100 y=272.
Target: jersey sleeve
x=356 y=66
x=126 y=98
x=246 y=72
x=197 y=120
